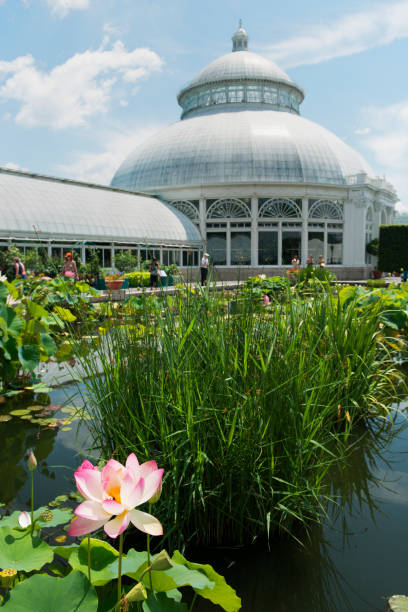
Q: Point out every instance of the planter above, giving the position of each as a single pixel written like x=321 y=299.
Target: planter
x=114 y=285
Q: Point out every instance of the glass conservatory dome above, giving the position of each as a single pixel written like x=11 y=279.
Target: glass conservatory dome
x=240 y=124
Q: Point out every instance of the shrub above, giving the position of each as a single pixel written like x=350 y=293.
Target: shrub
x=125 y=261
x=138 y=278
x=393 y=248
x=378 y=282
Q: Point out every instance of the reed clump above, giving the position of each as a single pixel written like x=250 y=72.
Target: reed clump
x=246 y=409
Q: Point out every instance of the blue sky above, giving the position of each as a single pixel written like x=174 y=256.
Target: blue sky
x=82 y=82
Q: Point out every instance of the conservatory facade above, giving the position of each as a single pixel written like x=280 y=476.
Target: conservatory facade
x=259 y=181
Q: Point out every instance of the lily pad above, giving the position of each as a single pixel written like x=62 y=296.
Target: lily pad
x=66 y=428
x=69 y=409
x=35 y=408
x=5 y=417
x=20 y=412
x=21 y=551
x=73 y=593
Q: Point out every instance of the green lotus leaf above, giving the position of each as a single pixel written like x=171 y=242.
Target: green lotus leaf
x=29 y=356
x=73 y=593
x=398 y=603
x=21 y=551
x=173 y=578
x=20 y=412
x=4 y=418
x=220 y=593
x=59 y=517
x=104 y=561
x=160 y=602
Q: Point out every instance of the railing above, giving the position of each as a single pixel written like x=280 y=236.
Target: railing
x=364 y=179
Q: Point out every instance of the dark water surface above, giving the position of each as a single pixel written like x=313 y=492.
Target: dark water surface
x=352 y=563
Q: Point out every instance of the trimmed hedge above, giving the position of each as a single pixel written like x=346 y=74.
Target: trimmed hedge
x=393 y=248
x=139 y=278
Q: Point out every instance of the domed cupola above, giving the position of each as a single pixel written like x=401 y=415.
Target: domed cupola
x=240 y=39
x=238 y=81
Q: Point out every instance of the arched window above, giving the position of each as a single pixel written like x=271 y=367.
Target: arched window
x=228 y=209
x=326 y=209
x=280 y=207
x=188 y=208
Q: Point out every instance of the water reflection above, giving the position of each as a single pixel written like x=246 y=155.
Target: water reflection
x=58 y=452
x=329 y=573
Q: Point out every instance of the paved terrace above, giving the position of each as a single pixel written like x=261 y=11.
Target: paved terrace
x=122 y=294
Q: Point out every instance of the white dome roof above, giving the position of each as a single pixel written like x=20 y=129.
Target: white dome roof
x=241 y=65
x=246 y=146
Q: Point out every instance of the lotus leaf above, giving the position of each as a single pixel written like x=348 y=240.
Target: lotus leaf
x=398 y=603
x=73 y=593
x=21 y=551
x=221 y=593
x=160 y=602
x=104 y=561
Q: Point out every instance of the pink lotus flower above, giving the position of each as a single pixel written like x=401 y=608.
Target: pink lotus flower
x=112 y=494
x=266 y=299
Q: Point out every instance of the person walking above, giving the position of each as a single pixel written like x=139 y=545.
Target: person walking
x=69 y=269
x=19 y=269
x=310 y=261
x=204 y=268
x=154 y=273
x=321 y=261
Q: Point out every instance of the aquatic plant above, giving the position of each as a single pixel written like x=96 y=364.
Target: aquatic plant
x=246 y=410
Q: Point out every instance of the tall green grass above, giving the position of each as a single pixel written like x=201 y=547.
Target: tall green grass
x=246 y=412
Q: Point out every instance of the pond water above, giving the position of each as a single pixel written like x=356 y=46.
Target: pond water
x=351 y=563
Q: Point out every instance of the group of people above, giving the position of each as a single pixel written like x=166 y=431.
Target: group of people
x=309 y=261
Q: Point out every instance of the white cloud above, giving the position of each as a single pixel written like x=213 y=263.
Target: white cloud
x=387 y=140
x=11 y=166
x=71 y=92
x=62 y=7
x=99 y=167
x=362 y=131
x=380 y=25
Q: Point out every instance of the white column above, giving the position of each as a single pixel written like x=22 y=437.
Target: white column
x=112 y=254
x=354 y=230
x=83 y=254
x=254 y=231
x=228 y=245
x=305 y=237
x=49 y=249
x=203 y=218
x=280 y=243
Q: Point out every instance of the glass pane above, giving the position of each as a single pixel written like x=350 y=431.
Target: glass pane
x=268 y=248
x=335 y=248
x=217 y=247
x=315 y=245
x=291 y=246
x=107 y=261
x=241 y=248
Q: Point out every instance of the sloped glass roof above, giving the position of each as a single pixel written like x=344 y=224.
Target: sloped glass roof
x=57 y=208
x=261 y=146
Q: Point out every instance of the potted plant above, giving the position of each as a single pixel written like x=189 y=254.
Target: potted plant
x=114 y=281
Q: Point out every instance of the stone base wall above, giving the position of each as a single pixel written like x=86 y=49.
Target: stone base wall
x=234 y=274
